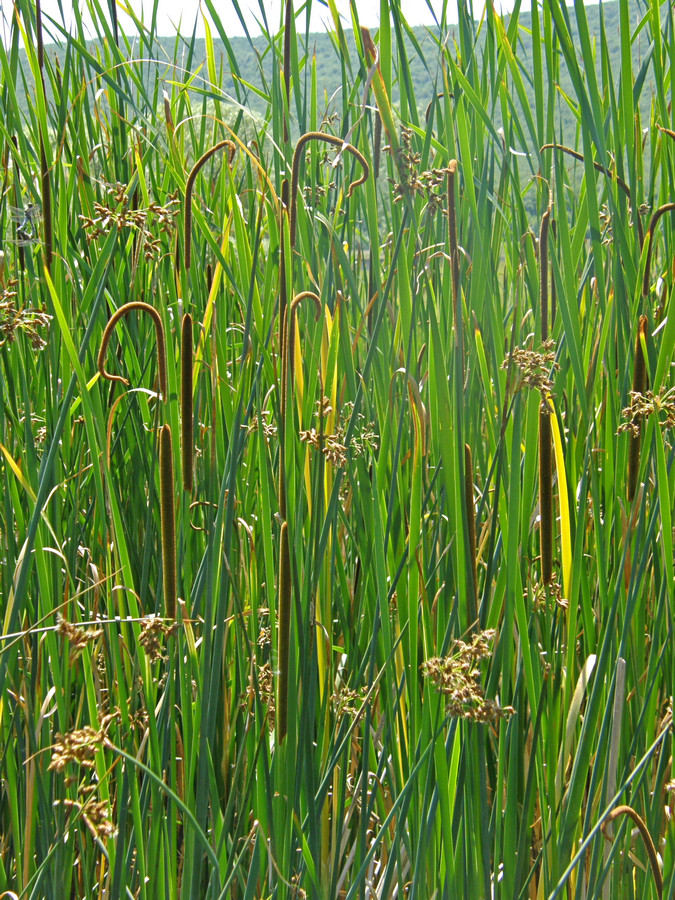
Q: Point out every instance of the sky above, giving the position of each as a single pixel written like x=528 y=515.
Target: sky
x=417 y=12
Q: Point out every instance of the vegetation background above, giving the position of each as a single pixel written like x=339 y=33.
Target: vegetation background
x=336 y=380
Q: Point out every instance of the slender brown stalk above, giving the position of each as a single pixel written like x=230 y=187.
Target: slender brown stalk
x=284 y=593
x=297 y=157
x=161 y=344
x=187 y=412
x=452 y=240
x=653 y=222
x=646 y=837
x=546 y=495
x=639 y=387
x=44 y=168
x=543 y=269
x=304 y=295
x=605 y=171
x=288 y=27
x=377 y=145
x=471 y=522
x=168 y=518
x=204 y=158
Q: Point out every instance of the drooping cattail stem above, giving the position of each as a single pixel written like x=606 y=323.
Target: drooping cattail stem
x=168 y=517
x=290 y=340
x=204 y=158
x=653 y=222
x=297 y=157
x=186 y=350
x=452 y=241
x=288 y=26
x=284 y=594
x=639 y=387
x=471 y=526
x=646 y=837
x=161 y=344
x=44 y=168
x=605 y=171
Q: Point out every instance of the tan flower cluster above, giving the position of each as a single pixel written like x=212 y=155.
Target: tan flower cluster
x=117 y=214
x=77 y=636
x=648 y=404
x=458 y=677
x=153 y=633
x=534 y=368
x=15 y=318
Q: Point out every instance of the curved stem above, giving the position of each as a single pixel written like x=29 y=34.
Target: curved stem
x=646 y=837
x=188 y=192
x=297 y=156
x=161 y=345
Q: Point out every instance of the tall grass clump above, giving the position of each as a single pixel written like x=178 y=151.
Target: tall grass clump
x=406 y=629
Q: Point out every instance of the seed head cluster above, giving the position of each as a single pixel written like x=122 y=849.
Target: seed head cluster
x=648 y=404
x=458 y=677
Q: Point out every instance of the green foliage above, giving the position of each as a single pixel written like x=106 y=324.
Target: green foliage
x=355 y=537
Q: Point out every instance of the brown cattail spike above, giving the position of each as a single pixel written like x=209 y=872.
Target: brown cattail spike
x=639 y=387
x=284 y=594
x=186 y=351
x=161 y=344
x=168 y=517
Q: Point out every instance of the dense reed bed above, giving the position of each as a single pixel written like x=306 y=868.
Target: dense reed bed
x=357 y=579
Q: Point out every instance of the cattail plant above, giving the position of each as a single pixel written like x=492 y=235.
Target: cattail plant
x=545 y=437
x=639 y=387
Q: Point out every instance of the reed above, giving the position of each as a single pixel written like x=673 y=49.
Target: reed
x=168 y=520
x=186 y=405
x=639 y=387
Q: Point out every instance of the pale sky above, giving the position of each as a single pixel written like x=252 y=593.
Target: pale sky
x=416 y=12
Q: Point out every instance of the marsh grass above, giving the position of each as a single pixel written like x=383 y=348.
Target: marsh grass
x=353 y=657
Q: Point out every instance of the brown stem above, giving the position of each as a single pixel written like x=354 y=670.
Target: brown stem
x=168 y=517
x=284 y=593
x=639 y=387
x=161 y=345
x=471 y=521
x=546 y=495
x=187 y=412
x=646 y=837
x=653 y=222
x=188 y=192
x=605 y=171
x=297 y=156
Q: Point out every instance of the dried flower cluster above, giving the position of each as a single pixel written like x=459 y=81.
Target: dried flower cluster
x=80 y=745
x=544 y=594
x=334 y=445
x=77 y=636
x=15 y=318
x=648 y=404
x=154 y=631
x=458 y=677
x=429 y=184
x=119 y=215
x=95 y=816
x=534 y=369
